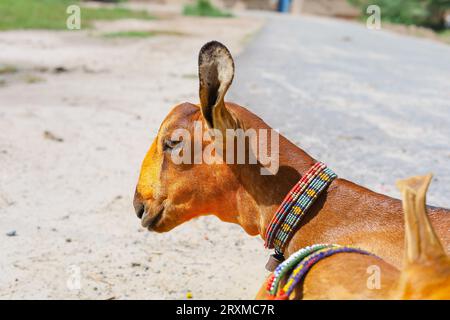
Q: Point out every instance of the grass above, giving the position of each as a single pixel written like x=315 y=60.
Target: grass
x=115 y=13
x=444 y=35
x=204 y=8
x=7 y=69
x=29 y=78
x=51 y=14
x=190 y=76
x=141 y=34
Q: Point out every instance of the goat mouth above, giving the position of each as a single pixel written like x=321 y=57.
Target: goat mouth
x=148 y=222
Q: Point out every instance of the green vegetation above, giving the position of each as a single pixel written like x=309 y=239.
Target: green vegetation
x=204 y=8
x=33 y=79
x=141 y=34
x=7 y=69
x=444 y=35
x=190 y=76
x=425 y=13
x=129 y=34
x=51 y=14
x=114 y=13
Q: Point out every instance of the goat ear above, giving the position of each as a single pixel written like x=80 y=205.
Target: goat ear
x=421 y=241
x=216 y=72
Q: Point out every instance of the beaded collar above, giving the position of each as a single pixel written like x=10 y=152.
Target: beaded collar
x=298 y=265
x=287 y=218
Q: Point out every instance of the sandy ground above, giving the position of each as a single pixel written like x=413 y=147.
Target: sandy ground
x=76 y=119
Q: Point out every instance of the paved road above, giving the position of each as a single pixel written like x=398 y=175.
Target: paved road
x=374 y=105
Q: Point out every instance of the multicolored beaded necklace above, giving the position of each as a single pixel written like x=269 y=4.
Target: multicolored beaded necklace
x=301 y=197
x=300 y=263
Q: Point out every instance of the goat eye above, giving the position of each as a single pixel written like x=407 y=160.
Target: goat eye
x=170 y=144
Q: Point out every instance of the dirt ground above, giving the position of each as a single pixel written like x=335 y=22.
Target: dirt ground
x=77 y=113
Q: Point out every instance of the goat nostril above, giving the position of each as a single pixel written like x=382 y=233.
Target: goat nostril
x=140 y=211
x=138 y=205
x=138 y=208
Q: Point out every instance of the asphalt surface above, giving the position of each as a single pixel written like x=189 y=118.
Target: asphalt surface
x=373 y=105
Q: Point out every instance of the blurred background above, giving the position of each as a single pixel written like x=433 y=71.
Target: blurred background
x=79 y=107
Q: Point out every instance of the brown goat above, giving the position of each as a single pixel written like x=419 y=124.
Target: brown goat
x=169 y=194
x=426 y=266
